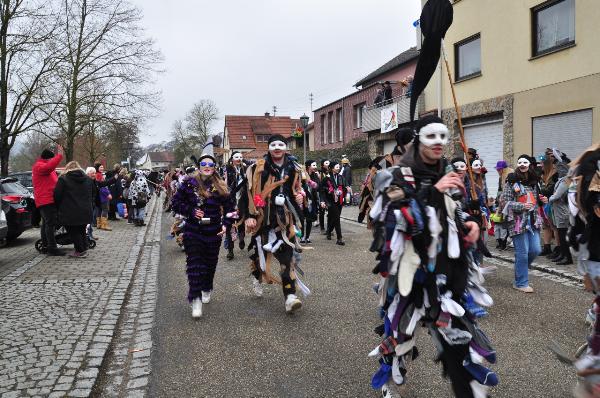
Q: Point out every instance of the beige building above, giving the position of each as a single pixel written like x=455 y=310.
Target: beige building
x=527 y=77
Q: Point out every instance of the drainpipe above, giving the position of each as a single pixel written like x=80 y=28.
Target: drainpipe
x=440 y=89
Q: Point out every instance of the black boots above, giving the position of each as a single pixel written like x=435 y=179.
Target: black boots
x=547 y=250
x=555 y=254
x=230 y=254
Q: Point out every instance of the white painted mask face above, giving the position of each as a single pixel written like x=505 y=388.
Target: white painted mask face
x=476 y=165
x=523 y=164
x=237 y=157
x=336 y=168
x=326 y=163
x=277 y=146
x=460 y=166
x=434 y=134
x=313 y=166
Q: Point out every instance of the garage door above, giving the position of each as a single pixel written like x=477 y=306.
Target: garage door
x=570 y=132
x=488 y=139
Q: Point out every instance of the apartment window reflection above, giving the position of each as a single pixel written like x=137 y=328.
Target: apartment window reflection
x=553 y=26
x=467 y=55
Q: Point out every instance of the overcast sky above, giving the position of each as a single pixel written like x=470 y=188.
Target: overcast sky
x=248 y=55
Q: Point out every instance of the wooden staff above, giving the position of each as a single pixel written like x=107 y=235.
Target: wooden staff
x=460 y=127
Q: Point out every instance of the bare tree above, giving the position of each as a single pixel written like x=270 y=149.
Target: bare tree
x=107 y=70
x=32 y=145
x=28 y=56
x=191 y=135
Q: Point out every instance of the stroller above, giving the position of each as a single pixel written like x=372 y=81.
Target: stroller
x=63 y=239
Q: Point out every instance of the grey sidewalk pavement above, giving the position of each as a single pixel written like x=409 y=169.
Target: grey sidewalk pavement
x=59 y=314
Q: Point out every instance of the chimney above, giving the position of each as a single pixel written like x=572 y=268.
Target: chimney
x=267 y=114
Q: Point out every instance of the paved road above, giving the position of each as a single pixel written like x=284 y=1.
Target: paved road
x=248 y=347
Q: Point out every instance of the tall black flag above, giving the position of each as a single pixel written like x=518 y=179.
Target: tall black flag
x=436 y=18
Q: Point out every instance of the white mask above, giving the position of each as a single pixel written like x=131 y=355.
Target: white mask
x=522 y=162
x=433 y=134
x=476 y=165
x=277 y=145
x=460 y=166
x=313 y=165
x=238 y=157
x=326 y=163
x=336 y=167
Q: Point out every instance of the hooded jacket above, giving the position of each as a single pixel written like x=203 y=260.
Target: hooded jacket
x=44 y=178
x=73 y=196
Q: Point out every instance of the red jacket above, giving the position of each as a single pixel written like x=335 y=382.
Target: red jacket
x=44 y=177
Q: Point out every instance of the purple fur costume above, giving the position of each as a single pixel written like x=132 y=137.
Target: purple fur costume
x=200 y=241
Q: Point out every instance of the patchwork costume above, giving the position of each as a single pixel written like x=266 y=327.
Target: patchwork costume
x=425 y=267
x=139 y=195
x=272 y=193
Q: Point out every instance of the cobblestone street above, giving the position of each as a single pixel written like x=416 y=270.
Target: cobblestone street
x=59 y=315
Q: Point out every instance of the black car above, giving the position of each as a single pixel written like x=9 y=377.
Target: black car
x=24 y=178
x=18 y=205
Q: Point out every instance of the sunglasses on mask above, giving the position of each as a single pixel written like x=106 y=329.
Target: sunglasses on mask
x=205 y=164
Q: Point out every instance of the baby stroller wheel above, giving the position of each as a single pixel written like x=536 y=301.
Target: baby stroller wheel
x=39 y=246
x=91 y=243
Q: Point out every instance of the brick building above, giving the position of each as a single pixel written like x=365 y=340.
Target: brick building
x=249 y=134
x=343 y=120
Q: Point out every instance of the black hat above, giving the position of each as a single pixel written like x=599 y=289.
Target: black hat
x=429 y=119
x=308 y=163
x=332 y=164
x=190 y=169
x=403 y=136
x=233 y=153
x=458 y=159
x=97 y=166
x=323 y=162
x=47 y=154
x=206 y=155
x=276 y=137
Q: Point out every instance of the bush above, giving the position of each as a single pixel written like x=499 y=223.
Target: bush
x=357 y=152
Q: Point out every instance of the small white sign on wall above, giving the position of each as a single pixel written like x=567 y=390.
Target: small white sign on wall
x=389 y=118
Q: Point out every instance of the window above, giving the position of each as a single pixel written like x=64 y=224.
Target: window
x=553 y=26
x=467 y=58
x=340 y=124
x=330 y=127
x=323 y=140
x=262 y=138
x=358 y=115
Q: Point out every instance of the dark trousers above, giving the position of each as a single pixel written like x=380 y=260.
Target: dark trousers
x=333 y=220
x=564 y=245
x=78 y=236
x=49 y=220
x=112 y=210
x=322 y=219
x=307 y=228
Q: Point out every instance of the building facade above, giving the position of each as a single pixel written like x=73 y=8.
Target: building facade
x=250 y=134
x=156 y=161
x=352 y=117
x=523 y=85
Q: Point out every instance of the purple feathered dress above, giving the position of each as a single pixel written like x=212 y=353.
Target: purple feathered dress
x=200 y=241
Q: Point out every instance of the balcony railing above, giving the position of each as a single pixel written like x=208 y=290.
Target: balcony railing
x=400 y=105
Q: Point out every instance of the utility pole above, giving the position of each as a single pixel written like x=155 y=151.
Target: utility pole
x=274 y=110
x=311 y=97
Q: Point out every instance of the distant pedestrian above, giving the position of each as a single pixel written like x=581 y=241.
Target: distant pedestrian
x=73 y=198
x=104 y=197
x=91 y=173
x=139 y=194
x=115 y=191
x=333 y=191
x=44 y=178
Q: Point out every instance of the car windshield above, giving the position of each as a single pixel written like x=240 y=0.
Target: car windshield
x=14 y=188
x=24 y=179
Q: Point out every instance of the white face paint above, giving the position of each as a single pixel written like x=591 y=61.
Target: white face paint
x=460 y=166
x=434 y=134
x=523 y=164
x=277 y=146
x=238 y=157
x=326 y=163
x=336 y=168
x=476 y=165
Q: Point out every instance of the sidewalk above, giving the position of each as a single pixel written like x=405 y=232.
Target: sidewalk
x=59 y=314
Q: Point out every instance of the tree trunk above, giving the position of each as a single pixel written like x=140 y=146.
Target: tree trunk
x=4 y=154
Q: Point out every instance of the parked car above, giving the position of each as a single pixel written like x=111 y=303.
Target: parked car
x=18 y=206
x=24 y=178
x=3 y=225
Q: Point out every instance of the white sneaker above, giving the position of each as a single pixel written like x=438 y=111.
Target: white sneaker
x=292 y=303
x=206 y=297
x=386 y=392
x=196 y=308
x=257 y=287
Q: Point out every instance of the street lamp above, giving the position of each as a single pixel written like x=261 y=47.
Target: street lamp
x=304 y=120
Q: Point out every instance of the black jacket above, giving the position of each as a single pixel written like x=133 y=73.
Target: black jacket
x=73 y=198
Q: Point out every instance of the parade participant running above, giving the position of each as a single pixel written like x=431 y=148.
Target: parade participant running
x=422 y=238
x=235 y=178
x=204 y=201
x=333 y=192
x=274 y=220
